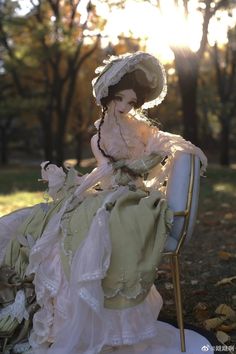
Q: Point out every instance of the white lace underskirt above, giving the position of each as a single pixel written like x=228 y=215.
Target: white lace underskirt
x=72 y=315
x=166 y=341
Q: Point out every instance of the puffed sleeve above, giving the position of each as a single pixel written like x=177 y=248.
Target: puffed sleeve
x=173 y=144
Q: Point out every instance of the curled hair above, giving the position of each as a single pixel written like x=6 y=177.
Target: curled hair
x=128 y=81
x=104 y=109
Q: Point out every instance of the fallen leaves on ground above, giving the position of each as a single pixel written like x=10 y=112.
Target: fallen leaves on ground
x=225 y=281
x=227 y=311
x=201 y=311
x=223 y=323
x=222 y=337
x=224 y=255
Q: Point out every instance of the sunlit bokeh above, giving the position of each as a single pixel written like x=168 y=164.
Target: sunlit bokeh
x=158 y=29
x=141 y=20
x=218 y=27
x=225 y=187
x=179 y=29
x=165 y=27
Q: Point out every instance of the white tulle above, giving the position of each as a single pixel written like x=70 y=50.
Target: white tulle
x=75 y=309
x=16 y=309
x=166 y=341
x=22 y=348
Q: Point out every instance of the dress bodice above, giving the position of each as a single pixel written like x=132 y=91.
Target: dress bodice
x=124 y=138
x=131 y=138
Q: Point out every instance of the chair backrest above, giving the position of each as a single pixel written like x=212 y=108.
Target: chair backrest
x=182 y=195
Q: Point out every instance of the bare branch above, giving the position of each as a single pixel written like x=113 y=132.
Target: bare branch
x=70 y=92
x=72 y=61
x=42 y=39
x=15 y=76
x=88 y=53
x=73 y=12
x=220 y=5
x=232 y=74
x=55 y=6
x=206 y=19
x=185 y=3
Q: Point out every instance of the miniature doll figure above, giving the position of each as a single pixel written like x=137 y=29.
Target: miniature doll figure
x=79 y=271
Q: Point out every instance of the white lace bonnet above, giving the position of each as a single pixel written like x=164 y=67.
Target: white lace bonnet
x=117 y=66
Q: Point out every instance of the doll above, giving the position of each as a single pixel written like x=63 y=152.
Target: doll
x=91 y=255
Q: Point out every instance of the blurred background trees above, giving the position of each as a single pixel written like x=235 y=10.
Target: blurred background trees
x=43 y=53
x=50 y=49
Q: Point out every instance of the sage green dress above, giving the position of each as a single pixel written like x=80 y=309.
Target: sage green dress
x=81 y=268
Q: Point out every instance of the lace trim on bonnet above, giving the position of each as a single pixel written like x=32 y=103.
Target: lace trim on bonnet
x=116 y=67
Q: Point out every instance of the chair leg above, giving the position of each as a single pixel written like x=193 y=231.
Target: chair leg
x=178 y=298
x=173 y=271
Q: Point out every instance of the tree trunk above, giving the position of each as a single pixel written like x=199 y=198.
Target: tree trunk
x=47 y=140
x=3 y=147
x=187 y=66
x=79 y=146
x=189 y=106
x=224 y=143
x=60 y=140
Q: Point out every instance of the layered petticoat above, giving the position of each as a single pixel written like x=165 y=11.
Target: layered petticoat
x=75 y=309
x=72 y=318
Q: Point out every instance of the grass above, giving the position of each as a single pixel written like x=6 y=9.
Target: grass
x=18 y=200
x=15 y=179
x=19 y=187
x=218 y=189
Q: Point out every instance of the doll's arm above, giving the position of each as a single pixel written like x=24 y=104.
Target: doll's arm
x=97 y=153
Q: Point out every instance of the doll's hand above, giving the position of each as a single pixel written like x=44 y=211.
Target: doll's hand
x=54 y=175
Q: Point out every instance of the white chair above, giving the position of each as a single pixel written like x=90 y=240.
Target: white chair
x=182 y=196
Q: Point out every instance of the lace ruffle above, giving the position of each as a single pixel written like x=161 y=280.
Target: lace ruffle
x=131 y=291
x=22 y=348
x=17 y=309
x=132 y=325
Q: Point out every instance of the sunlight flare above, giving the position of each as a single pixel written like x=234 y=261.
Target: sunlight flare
x=181 y=30
x=158 y=29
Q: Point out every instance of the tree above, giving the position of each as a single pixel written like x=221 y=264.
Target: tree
x=44 y=52
x=225 y=67
x=187 y=64
x=6 y=120
x=187 y=61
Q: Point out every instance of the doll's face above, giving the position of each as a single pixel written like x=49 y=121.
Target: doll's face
x=123 y=102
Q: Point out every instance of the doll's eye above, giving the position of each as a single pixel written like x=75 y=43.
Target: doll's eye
x=118 y=98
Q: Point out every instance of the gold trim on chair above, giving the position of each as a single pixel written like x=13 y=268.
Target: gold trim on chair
x=174 y=255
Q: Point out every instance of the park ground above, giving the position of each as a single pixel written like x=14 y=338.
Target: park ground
x=208 y=261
